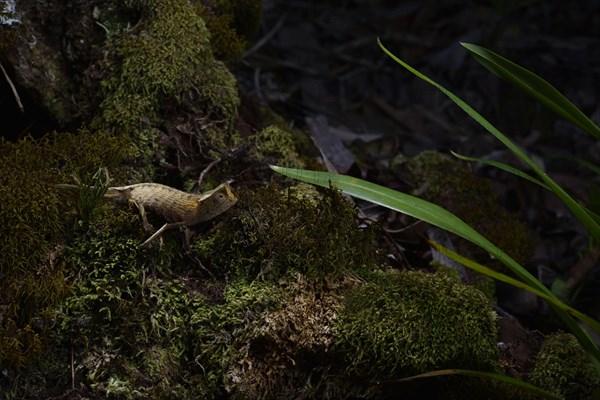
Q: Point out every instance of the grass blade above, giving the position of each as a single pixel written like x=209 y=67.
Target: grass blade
x=534 y=86
x=487 y=375
x=582 y=215
x=511 y=281
x=504 y=167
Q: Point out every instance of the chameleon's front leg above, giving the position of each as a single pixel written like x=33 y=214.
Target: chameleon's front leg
x=147 y=226
x=161 y=230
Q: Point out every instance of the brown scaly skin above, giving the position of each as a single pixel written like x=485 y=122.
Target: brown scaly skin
x=177 y=207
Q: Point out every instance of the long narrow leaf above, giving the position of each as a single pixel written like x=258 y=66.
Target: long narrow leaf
x=511 y=281
x=439 y=217
x=582 y=215
x=487 y=375
x=534 y=86
x=502 y=166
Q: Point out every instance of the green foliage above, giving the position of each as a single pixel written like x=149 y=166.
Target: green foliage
x=563 y=367
x=549 y=96
x=164 y=60
x=271 y=234
x=399 y=324
x=124 y=321
x=90 y=194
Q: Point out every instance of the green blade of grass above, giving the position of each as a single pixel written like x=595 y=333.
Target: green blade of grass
x=534 y=86
x=439 y=217
x=511 y=281
x=486 y=375
x=502 y=166
x=580 y=213
x=526 y=176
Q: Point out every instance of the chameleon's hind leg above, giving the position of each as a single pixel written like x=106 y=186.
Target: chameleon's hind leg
x=165 y=227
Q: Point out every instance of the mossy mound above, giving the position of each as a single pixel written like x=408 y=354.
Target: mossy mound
x=276 y=145
x=401 y=324
x=272 y=233
x=164 y=62
x=563 y=367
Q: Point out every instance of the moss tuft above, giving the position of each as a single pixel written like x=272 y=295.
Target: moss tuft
x=401 y=324
x=563 y=367
x=272 y=233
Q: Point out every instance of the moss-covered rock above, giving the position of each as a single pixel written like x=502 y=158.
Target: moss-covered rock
x=562 y=367
x=123 y=325
x=400 y=324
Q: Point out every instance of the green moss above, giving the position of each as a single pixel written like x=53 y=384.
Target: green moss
x=276 y=145
x=224 y=331
x=125 y=321
x=33 y=217
x=563 y=367
x=270 y=234
x=445 y=181
x=401 y=324
x=164 y=61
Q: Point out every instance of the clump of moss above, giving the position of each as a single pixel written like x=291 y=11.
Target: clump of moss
x=276 y=145
x=164 y=60
x=32 y=222
x=223 y=331
x=444 y=181
x=293 y=344
x=563 y=367
x=271 y=234
x=401 y=324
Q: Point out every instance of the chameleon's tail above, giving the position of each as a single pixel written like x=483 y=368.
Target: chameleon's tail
x=66 y=186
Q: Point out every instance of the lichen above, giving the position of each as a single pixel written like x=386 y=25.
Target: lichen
x=562 y=367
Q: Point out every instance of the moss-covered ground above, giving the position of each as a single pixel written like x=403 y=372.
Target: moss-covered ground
x=286 y=295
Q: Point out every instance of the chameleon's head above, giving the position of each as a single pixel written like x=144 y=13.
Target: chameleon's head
x=217 y=201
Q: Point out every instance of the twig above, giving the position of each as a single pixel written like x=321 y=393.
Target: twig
x=13 y=88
